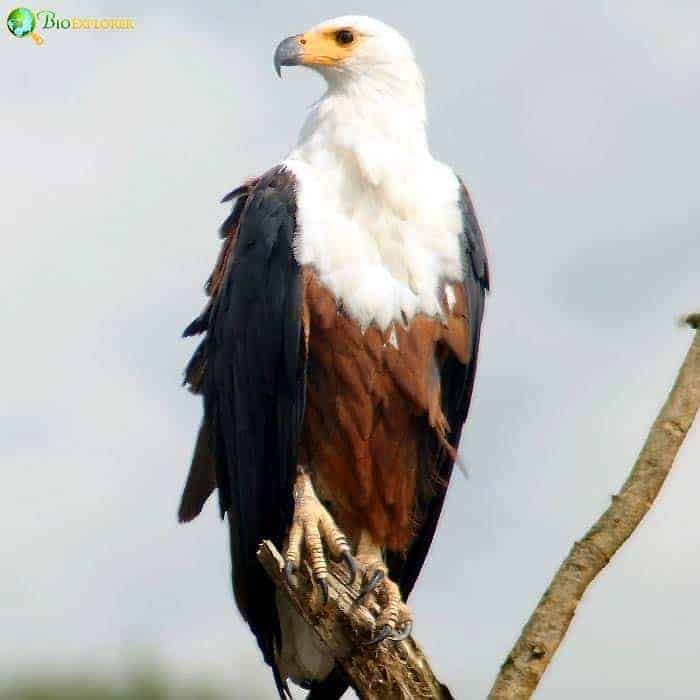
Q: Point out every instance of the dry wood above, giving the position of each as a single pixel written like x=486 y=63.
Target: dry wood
x=541 y=636
x=386 y=671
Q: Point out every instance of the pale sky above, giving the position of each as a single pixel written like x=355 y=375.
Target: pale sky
x=576 y=129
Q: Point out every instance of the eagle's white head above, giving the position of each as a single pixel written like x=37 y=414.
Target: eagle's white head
x=361 y=58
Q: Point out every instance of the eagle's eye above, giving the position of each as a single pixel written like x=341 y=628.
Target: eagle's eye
x=344 y=37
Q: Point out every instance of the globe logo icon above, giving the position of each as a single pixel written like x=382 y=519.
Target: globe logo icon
x=21 y=22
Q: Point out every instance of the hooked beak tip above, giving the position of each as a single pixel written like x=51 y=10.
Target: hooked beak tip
x=288 y=53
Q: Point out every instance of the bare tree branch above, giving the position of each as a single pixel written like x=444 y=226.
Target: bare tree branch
x=386 y=671
x=546 y=628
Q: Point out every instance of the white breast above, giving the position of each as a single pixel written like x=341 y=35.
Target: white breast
x=381 y=233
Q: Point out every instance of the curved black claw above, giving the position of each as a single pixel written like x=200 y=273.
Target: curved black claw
x=384 y=633
x=377 y=578
x=289 y=573
x=400 y=636
x=352 y=567
x=323 y=585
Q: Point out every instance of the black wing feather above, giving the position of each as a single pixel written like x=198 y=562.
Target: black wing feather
x=254 y=391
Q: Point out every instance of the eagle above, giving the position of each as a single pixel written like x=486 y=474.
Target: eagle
x=339 y=348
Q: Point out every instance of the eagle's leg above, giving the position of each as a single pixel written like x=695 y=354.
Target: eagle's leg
x=394 y=620
x=312 y=525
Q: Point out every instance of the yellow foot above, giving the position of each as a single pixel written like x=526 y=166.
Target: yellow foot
x=313 y=525
x=394 y=620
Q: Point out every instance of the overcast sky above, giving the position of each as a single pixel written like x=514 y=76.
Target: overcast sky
x=575 y=126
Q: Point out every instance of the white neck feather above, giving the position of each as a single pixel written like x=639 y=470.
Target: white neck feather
x=379 y=217
x=375 y=117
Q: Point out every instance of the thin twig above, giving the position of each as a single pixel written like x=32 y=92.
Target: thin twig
x=546 y=628
x=692 y=320
x=386 y=671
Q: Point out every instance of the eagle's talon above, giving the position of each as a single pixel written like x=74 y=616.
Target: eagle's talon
x=352 y=567
x=400 y=636
x=376 y=578
x=393 y=617
x=385 y=632
x=323 y=585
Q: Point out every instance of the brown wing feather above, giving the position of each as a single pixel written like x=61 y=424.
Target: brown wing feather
x=201 y=481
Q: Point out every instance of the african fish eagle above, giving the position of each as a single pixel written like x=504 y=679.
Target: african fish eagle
x=340 y=347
